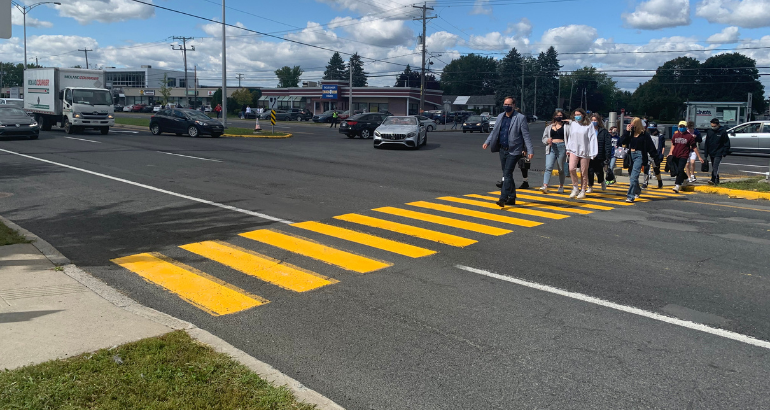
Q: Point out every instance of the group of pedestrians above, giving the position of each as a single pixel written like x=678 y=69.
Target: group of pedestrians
x=582 y=143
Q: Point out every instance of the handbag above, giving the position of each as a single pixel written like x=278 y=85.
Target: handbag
x=620 y=152
x=610 y=174
x=704 y=167
x=524 y=163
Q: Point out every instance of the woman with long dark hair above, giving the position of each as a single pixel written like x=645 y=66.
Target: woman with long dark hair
x=555 y=150
x=581 y=148
x=604 y=152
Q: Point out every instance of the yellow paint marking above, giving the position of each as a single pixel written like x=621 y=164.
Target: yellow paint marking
x=365 y=239
x=410 y=230
x=560 y=201
x=260 y=266
x=645 y=192
x=615 y=196
x=536 y=205
x=315 y=250
x=530 y=212
x=200 y=289
x=455 y=223
x=476 y=214
x=624 y=186
x=600 y=201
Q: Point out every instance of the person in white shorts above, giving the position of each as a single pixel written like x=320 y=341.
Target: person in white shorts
x=695 y=153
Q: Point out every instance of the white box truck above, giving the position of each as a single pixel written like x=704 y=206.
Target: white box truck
x=74 y=98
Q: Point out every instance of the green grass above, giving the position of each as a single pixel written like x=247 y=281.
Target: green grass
x=167 y=372
x=142 y=122
x=250 y=131
x=10 y=236
x=751 y=184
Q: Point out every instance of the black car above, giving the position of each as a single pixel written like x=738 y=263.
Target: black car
x=476 y=123
x=185 y=121
x=325 y=116
x=280 y=115
x=299 y=114
x=14 y=122
x=362 y=124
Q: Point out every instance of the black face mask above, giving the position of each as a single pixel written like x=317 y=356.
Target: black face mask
x=559 y=119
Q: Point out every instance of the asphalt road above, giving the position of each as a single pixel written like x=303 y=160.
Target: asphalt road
x=435 y=331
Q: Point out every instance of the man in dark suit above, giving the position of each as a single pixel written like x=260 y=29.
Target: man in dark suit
x=510 y=138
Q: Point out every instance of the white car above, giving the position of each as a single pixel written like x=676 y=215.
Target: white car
x=127 y=108
x=156 y=108
x=492 y=122
x=404 y=131
x=426 y=122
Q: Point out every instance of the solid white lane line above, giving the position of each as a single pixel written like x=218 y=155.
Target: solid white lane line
x=81 y=139
x=125 y=132
x=628 y=309
x=152 y=188
x=187 y=156
x=743 y=165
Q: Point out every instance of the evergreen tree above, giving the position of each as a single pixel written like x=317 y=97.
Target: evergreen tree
x=509 y=77
x=335 y=70
x=359 y=75
x=411 y=78
x=470 y=75
x=547 y=82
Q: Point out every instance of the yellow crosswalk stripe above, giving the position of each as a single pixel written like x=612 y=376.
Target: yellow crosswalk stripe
x=427 y=234
x=265 y=268
x=365 y=239
x=560 y=201
x=441 y=220
x=587 y=199
x=666 y=191
x=315 y=250
x=537 y=205
x=613 y=196
x=645 y=193
x=476 y=214
x=200 y=289
x=518 y=210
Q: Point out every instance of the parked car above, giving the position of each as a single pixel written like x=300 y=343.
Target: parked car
x=280 y=115
x=750 y=137
x=361 y=124
x=128 y=108
x=17 y=102
x=118 y=107
x=137 y=107
x=156 y=108
x=476 y=123
x=325 y=116
x=299 y=114
x=147 y=109
x=426 y=122
x=14 y=122
x=401 y=130
x=531 y=118
x=185 y=121
x=492 y=122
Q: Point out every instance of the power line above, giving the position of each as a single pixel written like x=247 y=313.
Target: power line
x=184 y=49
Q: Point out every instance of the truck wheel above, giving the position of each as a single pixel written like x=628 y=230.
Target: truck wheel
x=68 y=128
x=45 y=125
x=105 y=130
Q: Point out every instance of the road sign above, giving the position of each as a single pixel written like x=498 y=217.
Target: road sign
x=272 y=117
x=5 y=18
x=273 y=102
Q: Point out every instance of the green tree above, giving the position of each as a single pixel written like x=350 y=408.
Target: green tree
x=588 y=88
x=411 y=78
x=13 y=74
x=216 y=98
x=335 y=70
x=242 y=96
x=547 y=81
x=165 y=90
x=730 y=77
x=359 y=75
x=509 y=77
x=470 y=75
x=288 y=76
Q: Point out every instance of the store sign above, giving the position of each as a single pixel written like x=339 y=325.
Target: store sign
x=329 y=92
x=147 y=92
x=211 y=93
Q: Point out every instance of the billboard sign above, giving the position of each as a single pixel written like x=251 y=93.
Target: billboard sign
x=329 y=92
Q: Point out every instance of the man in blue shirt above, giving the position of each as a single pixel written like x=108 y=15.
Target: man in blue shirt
x=510 y=138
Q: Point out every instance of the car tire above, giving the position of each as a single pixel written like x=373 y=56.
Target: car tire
x=105 y=130
x=351 y=136
x=430 y=128
x=68 y=128
x=155 y=129
x=425 y=141
x=216 y=135
x=463 y=131
x=33 y=137
x=365 y=134
x=193 y=131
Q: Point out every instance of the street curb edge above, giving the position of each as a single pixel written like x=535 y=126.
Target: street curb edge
x=732 y=193
x=51 y=253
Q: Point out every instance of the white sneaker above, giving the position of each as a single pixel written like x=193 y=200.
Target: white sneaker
x=544 y=188
x=581 y=195
x=574 y=193
x=677 y=188
x=589 y=190
x=560 y=190
x=604 y=185
x=694 y=178
x=636 y=197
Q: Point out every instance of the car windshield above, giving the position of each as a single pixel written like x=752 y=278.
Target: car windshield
x=474 y=118
x=400 y=121
x=197 y=115
x=12 y=112
x=16 y=103
x=91 y=97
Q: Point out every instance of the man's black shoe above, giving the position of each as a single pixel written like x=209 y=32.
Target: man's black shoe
x=499 y=184
x=500 y=203
x=660 y=184
x=511 y=201
x=524 y=185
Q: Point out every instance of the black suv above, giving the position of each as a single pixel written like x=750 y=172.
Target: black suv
x=362 y=124
x=299 y=114
x=185 y=121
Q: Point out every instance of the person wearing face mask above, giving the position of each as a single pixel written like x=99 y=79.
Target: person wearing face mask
x=681 y=144
x=555 y=150
x=717 y=147
x=614 y=143
x=603 y=153
x=509 y=137
x=654 y=162
x=581 y=148
x=695 y=153
x=640 y=149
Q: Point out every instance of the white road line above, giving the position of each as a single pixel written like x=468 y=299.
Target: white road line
x=752 y=172
x=628 y=309
x=81 y=139
x=743 y=165
x=152 y=188
x=125 y=132
x=187 y=156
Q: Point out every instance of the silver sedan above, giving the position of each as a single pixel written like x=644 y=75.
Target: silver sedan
x=405 y=131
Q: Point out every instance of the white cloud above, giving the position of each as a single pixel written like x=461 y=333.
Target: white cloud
x=377 y=31
x=570 y=38
x=17 y=19
x=105 y=11
x=391 y=9
x=741 y=13
x=481 y=7
x=522 y=29
x=726 y=36
x=657 y=14
x=441 y=41
x=496 y=41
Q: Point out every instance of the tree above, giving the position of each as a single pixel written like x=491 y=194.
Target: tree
x=411 y=78
x=588 y=88
x=470 y=75
x=216 y=98
x=359 y=75
x=165 y=90
x=13 y=74
x=288 y=76
x=509 y=77
x=547 y=81
x=242 y=96
x=730 y=77
x=335 y=70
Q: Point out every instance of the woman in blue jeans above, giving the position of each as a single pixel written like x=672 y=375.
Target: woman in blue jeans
x=554 y=139
x=640 y=146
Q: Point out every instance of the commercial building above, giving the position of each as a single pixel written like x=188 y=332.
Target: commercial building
x=142 y=85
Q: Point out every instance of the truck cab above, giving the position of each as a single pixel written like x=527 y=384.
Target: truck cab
x=86 y=108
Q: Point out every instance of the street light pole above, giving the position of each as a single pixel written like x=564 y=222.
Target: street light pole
x=224 y=68
x=24 y=10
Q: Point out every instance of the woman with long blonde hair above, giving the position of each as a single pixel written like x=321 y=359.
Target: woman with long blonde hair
x=582 y=147
x=555 y=151
x=640 y=147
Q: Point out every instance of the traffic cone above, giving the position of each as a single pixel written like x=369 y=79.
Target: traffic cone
x=257 y=128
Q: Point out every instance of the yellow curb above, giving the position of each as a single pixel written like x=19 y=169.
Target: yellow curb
x=257 y=136
x=733 y=193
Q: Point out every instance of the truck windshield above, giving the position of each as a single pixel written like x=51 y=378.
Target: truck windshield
x=91 y=97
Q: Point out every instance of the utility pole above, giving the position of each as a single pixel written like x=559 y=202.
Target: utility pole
x=521 y=103
x=86 y=50
x=424 y=19
x=195 y=83
x=572 y=87
x=240 y=77
x=184 y=49
x=534 y=108
x=350 y=90
x=224 y=68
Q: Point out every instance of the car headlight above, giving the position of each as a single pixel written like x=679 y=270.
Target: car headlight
x=110 y=116
x=76 y=115
x=377 y=133
x=464 y=124
x=411 y=135
x=34 y=124
x=201 y=123
x=478 y=124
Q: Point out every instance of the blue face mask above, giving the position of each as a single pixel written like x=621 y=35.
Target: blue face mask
x=508 y=108
x=682 y=129
x=594 y=123
x=578 y=117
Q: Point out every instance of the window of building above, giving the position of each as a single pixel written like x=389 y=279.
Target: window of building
x=181 y=82
x=360 y=106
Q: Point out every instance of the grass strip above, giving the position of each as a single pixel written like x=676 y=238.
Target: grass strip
x=142 y=122
x=172 y=371
x=10 y=236
x=751 y=184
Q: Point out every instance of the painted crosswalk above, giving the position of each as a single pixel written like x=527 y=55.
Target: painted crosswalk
x=353 y=244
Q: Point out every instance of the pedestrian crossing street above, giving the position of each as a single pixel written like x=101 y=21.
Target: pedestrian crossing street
x=429 y=227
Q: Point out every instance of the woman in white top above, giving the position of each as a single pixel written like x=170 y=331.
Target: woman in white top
x=582 y=147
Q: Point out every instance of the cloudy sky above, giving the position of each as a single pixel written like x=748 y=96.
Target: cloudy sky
x=608 y=34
